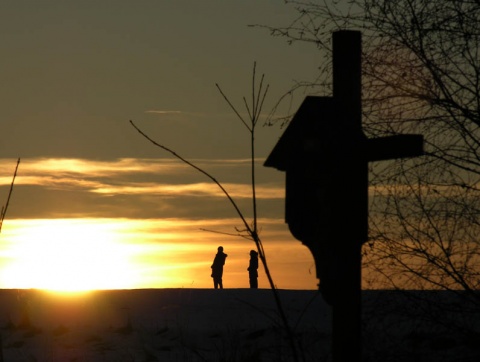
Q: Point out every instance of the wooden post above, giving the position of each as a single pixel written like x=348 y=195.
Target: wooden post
x=325 y=155
x=346 y=317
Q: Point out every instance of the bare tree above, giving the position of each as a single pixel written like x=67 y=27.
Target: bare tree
x=421 y=74
x=249 y=229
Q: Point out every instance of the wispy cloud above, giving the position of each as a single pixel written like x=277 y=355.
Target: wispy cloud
x=163 y=112
x=97 y=168
x=92 y=168
x=136 y=177
x=183 y=114
x=189 y=190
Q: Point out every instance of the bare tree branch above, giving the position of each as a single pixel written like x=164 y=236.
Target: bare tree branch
x=5 y=208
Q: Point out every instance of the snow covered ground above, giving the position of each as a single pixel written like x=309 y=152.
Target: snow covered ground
x=223 y=325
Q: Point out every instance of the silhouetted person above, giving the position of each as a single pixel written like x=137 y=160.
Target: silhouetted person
x=217 y=268
x=252 y=269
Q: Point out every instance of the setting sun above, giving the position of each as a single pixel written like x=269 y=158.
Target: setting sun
x=67 y=255
x=71 y=255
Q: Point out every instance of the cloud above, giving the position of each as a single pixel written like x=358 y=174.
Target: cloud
x=137 y=176
x=191 y=190
x=163 y=112
x=54 y=186
x=178 y=114
x=56 y=167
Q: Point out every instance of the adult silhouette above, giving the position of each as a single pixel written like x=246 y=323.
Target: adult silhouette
x=252 y=269
x=217 y=268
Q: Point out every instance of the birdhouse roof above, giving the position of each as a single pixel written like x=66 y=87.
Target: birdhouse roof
x=305 y=123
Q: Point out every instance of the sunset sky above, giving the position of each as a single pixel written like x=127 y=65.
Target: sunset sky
x=94 y=204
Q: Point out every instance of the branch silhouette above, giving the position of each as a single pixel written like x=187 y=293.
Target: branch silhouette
x=198 y=169
x=252 y=231
x=4 y=208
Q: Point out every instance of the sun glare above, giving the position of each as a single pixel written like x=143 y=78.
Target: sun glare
x=78 y=255
x=67 y=255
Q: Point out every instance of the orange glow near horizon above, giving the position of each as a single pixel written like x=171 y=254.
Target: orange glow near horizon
x=66 y=255
x=72 y=255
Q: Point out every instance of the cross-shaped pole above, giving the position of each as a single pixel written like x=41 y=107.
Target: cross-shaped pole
x=325 y=155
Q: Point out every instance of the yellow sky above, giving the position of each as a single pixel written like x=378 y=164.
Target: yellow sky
x=96 y=205
x=73 y=254
x=140 y=223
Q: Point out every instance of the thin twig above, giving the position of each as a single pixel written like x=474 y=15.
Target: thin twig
x=4 y=208
x=254 y=112
x=228 y=234
x=232 y=107
x=198 y=169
